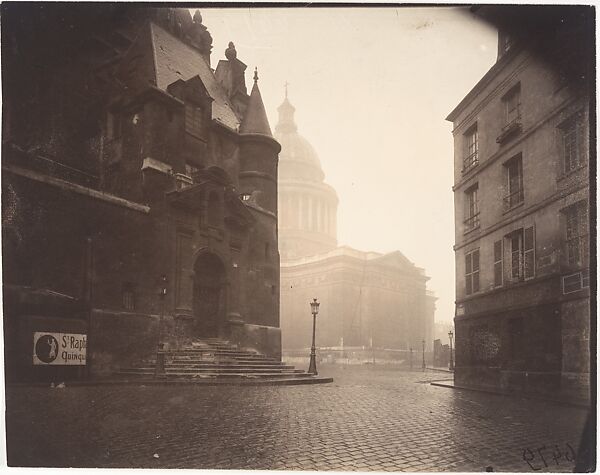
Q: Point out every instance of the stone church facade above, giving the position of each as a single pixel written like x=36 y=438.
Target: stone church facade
x=139 y=188
x=369 y=301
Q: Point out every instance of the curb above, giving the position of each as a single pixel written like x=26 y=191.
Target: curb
x=580 y=405
x=441 y=370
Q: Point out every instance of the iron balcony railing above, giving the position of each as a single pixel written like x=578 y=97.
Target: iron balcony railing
x=576 y=282
x=510 y=128
x=513 y=199
x=472 y=222
x=470 y=161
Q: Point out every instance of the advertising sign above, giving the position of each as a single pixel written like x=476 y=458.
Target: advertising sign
x=59 y=348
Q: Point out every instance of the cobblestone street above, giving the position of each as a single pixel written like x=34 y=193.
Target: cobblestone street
x=369 y=418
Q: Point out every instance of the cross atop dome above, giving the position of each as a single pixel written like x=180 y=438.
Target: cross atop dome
x=286 y=111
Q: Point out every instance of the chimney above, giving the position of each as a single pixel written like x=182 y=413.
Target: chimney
x=230 y=74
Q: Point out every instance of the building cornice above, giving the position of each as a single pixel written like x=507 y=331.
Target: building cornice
x=261 y=138
x=75 y=188
x=255 y=174
x=483 y=83
x=257 y=208
x=290 y=186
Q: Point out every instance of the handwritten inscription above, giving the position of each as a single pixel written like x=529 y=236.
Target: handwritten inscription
x=546 y=456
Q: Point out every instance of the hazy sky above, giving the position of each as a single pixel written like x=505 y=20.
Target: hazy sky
x=372 y=87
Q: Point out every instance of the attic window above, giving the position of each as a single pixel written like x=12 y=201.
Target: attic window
x=193 y=119
x=245 y=196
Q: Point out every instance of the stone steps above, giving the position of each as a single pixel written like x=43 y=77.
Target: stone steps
x=212 y=358
x=216 y=375
x=237 y=354
x=219 y=361
x=208 y=369
x=207 y=364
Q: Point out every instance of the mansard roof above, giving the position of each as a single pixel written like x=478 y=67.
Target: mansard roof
x=174 y=60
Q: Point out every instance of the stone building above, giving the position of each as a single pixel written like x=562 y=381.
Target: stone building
x=521 y=193
x=139 y=187
x=368 y=300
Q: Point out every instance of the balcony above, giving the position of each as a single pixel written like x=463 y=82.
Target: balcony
x=513 y=200
x=472 y=222
x=511 y=129
x=470 y=161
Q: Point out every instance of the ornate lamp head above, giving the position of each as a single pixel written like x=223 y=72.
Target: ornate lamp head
x=314 y=306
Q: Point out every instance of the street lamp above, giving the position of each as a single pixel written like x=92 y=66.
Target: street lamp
x=312 y=367
x=424 y=355
x=451 y=366
x=159 y=369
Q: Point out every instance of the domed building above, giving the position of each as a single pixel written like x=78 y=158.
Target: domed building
x=307 y=205
x=373 y=305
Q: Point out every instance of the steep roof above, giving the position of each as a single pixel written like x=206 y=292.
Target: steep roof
x=174 y=60
x=255 y=118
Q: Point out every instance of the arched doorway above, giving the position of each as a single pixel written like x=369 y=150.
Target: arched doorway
x=209 y=295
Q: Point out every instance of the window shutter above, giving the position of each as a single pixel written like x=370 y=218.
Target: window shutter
x=515 y=243
x=475 y=271
x=468 y=271
x=529 y=252
x=498 y=263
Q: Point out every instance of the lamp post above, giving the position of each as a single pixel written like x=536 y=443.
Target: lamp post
x=411 y=361
x=451 y=365
x=423 y=355
x=312 y=367
x=159 y=369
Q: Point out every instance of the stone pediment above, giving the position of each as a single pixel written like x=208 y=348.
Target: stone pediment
x=394 y=259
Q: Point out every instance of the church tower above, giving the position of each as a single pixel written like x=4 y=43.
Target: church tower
x=307 y=205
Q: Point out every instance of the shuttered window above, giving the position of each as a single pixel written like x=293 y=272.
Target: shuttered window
x=529 y=252
x=472 y=272
x=498 y=269
x=516 y=246
x=577 y=234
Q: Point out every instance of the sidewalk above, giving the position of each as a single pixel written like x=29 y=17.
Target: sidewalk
x=450 y=384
